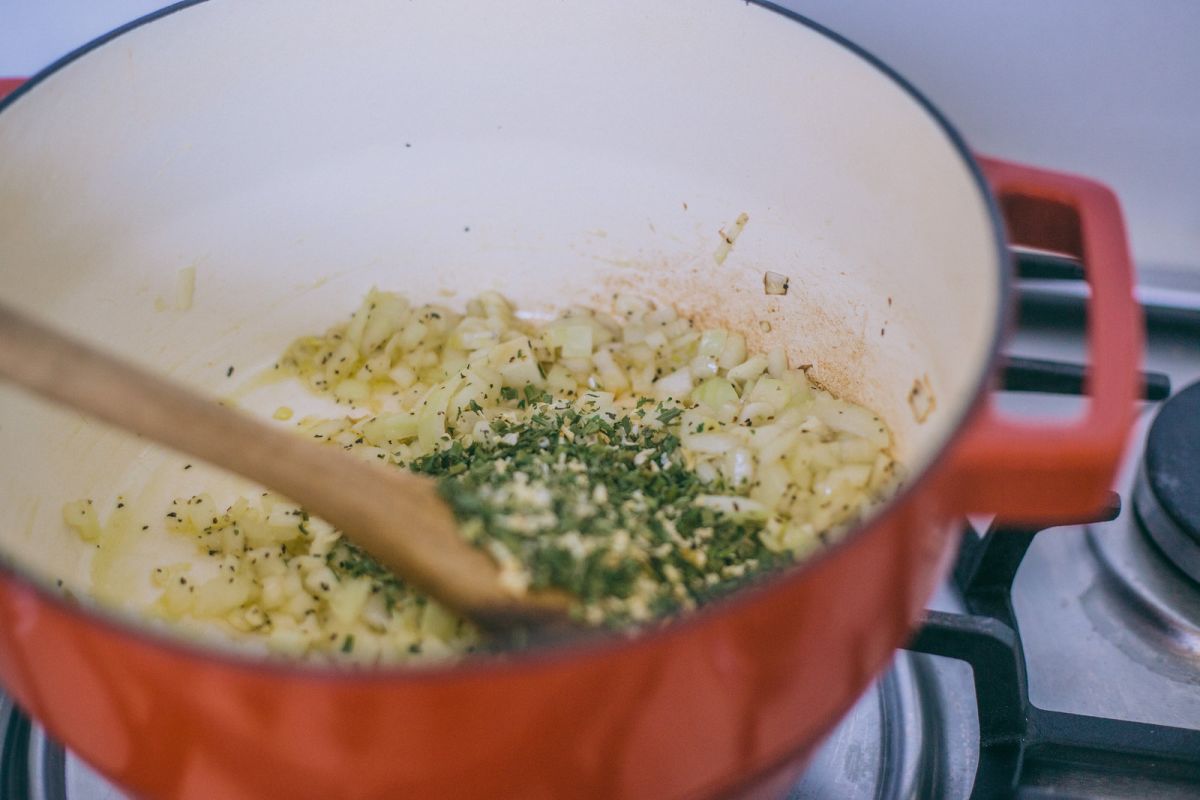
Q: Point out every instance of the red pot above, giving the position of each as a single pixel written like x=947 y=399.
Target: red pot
x=297 y=153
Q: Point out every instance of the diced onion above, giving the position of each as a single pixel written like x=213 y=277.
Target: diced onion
x=674 y=386
x=714 y=393
x=850 y=418
x=775 y=283
x=771 y=449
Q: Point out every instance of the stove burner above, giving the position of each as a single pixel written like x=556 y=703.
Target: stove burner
x=1166 y=496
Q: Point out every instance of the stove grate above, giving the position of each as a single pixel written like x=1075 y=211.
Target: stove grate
x=1025 y=750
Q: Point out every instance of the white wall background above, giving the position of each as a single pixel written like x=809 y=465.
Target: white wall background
x=1108 y=88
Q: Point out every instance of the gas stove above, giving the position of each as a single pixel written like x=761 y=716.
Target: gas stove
x=1059 y=663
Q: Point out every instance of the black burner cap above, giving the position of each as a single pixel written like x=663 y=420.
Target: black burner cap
x=1172 y=459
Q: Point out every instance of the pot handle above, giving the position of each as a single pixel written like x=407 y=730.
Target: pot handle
x=1049 y=472
x=7 y=85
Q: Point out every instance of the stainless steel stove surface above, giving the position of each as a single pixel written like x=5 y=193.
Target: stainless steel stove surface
x=1055 y=664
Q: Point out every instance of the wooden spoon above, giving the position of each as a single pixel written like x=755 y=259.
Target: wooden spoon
x=396 y=516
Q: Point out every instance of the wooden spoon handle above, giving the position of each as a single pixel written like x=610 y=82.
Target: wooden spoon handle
x=394 y=515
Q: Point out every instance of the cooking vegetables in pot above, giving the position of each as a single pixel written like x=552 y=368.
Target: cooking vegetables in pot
x=632 y=459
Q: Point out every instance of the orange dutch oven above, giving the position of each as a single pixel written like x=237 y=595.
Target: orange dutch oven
x=297 y=152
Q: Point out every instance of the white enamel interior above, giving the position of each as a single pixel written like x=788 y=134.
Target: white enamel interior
x=297 y=152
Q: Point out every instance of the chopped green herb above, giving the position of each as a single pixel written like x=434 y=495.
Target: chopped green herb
x=586 y=514
x=667 y=414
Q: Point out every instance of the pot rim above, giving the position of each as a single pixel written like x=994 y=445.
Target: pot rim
x=589 y=644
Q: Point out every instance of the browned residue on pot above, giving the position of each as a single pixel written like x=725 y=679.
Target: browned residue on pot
x=732 y=297
x=826 y=322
